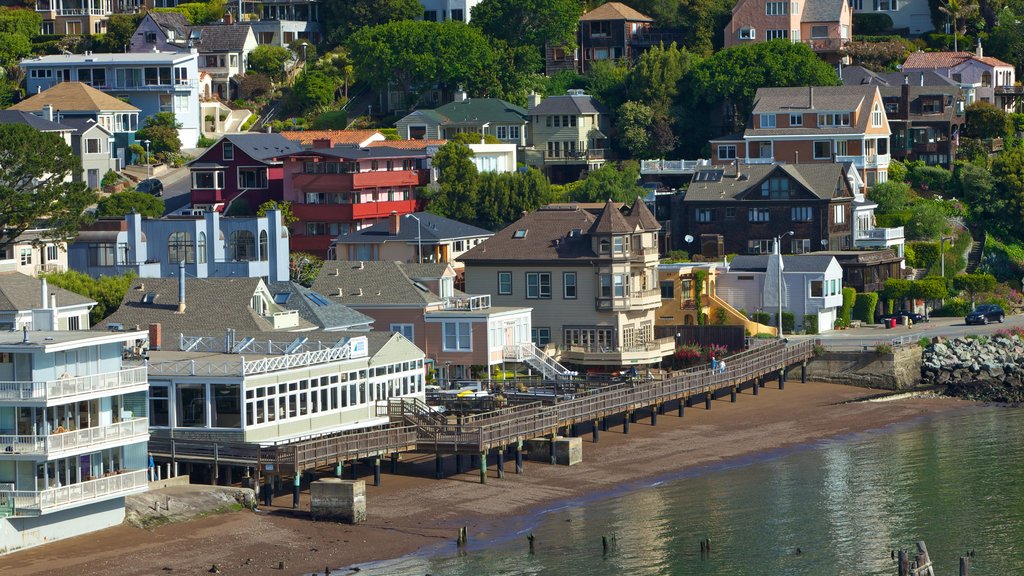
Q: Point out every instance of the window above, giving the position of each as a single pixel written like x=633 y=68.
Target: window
x=264 y=246
x=726 y=151
x=758 y=214
x=228 y=151
x=705 y=214
x=838 y=214
x=569 y=285
x=47 y=28
x=822 y=150
x=191 y=406
x=242 y=246
x=26 y=256
x=759 y=246
x=92 y=146
x=730 y=213
x=252 y=178
x=801 y=245
x=51 y=252
x=208 y=180
x=619 y=285
x=776 y=8
x=406 y=330
x=775 y=188
x=767 y=120
x=817 y=290
x=233 y=59
x=201 y=248
x=857 y=5
x=540 y=336
x=504 y=282
x=159 y=405
x=457 y=336
x=102 y=255
x=457 y=15
x=834 y=119
x=748 y=34
x=876 y=116
x=800 y=214
x=519 y=234
x=796 y=119
x=604 y=246
x=668 y=288
x=538 y=285
x=618 y=244
x=776 y=34
x=73 y=28
x=180 y=248
x=819 y=31
x=430 y=15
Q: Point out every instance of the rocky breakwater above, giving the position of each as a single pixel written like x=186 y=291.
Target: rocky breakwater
x=979 y=368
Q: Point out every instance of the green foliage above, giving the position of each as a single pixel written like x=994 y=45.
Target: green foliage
x=974 y=283
x=995 y=199
x=987 y=121
x=458 y=193
x=107 y=291
x=762 y=318
x=953 y=307
x=304 y=267
x=205 y=141
x=161 y=130
x=120 y=28
x=871 y=24
x=788 y=321
x=558 y=83
x=118 y=204
x=721 y=317
x=927 y=221
x=864 y=307
x=655 y=79
x=13 y=47
x=810 y=324
x=332 y=120
x=929 y=288
x=254 y=85
x=878 y=56
x=198 y=12
x=846 y=311
x=891 y=196
x=533 y=23
x=313 y=89
x=895 y=290
x=883 y=348
x=110 y=178
x=33 y=191
x=606 y=81
x=248 y=123
x=618 y=183
x=642 y=132
x=468 y=138
x=24 y=22
x=343 y=18
x=934 y=178
x=269 y=60
x=1005 y=261
x=287 y=216
x=897 y=171
x=924 y=254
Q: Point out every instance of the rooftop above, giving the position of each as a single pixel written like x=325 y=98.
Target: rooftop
x=798 y=263
x=615 y=11
x=10 y=116
x=318 y=309
x=823 y=181
x=110 y=58
x=480 y=109
x=73 y=97
x=23 y=292
x=336 y=137
x=375 y=283
x=221 y=37
x=55 y=341
x=431 y=229
x=943 y=60
x=574 y=104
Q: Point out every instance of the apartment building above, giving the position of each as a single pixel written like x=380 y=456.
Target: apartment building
x=240 y=164
x=570 y=135
x=982 y=77
x=442 y=10
x=823 y=25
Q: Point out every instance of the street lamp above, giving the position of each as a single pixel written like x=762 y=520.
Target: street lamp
x=419 y=238
x=304 y=44
x=778 y=252
x=942 y=254
x=149 y=163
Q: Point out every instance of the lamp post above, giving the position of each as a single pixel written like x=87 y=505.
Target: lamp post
x=304 y=44
x=149 y=164
x=778 y=251
x=419 y=238
x=942 y=254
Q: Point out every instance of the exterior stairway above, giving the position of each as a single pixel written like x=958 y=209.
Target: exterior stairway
x=974 y=256
x=403 y=411
x=535 y=358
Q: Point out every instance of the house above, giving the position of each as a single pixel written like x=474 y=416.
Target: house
x=30 y=303
x=502 y=158
x=443 y=10
x=240 y=164
x=867 y=270
x=740 y=209
x=74 y=433
x=485 y=116
x=982 y=77
x=271 y=391
x=94 y=145
x=160 y=31
x=590 y=277
x=822 y=25
x=332 y=138
x=33 y=252
x=152 y=82
x=925 y=112
x=43 y=122
x=281 y=22
x=82 y=100
x=570 y=135
x=456 y=331
x=80 y=17
x=403 y=238
x=812 y=288
x=909 y=17
x=209 y=245
x=336 y=190
x=867 y=236
x=814 y=124
x=688 y=290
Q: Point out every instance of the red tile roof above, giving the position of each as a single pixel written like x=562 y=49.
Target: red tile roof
x=934 y=60
x=407 y=144
x=306 y=137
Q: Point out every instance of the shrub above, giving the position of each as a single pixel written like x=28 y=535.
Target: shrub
x=333 y=120
x=762 y=318
x=933 y=178
x=872 y=24
x=689 y=354
x=883 y=348
x=922 y=254
x=864 y=307
x=788 y=321
x=720 y=316
x=894 y=220
x=811 y=324
x=110 y=178
x=954 y=307
x=249 y=122
x=205 y=141
x=254 y=85
x=924 y=342
x=846 y=311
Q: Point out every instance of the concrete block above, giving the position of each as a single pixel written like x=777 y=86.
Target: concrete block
x=337 y=500
x=568 y=451
x=538 y=450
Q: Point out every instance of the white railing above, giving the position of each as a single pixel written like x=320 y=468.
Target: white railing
x=349 y=350
x=76 y=439
x=769 y=160
x=865 y=160
x=31 y=503
x=83 y=12
x=73 y=386
x=479 y=302
x=529 y=354
x=881 y=234
x=672 y=166
x=658 y=344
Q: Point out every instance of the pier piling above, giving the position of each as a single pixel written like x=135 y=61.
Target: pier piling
x=625 y=423
x=483 y=467
x=594 y=432
x=732 y=394
x=439 y=466
x=376 y=471
x=707 y=399
x=654 y=416
x=519 y=458
x=501 y=463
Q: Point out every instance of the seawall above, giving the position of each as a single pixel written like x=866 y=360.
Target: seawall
x=898 y=370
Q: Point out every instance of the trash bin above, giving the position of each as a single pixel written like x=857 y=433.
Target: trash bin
x=892 y=322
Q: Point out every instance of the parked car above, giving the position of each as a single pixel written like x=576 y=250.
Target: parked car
x=900 y=316
x=985 y=313
x=151 y=186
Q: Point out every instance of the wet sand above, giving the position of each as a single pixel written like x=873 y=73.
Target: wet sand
x=412 y=510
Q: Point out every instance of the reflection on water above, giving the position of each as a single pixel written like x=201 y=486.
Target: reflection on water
x=837 y=508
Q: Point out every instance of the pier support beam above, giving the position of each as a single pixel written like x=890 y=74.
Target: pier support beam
x=803 y=372
x=339 y=468
x=353 y=469
x=625 y=422
x=682 y=403
x=782 y=379
x=458 y=464
x=501 y=463
x=439 y=467
x=732 y=394
x=519 y=458
x=757 y=385
x=594 y=432
x=654 y=415
x=707 y=399
x=632 y=417
x=376 y=471
x=604 y=424
x=394 y=462
x=572 y=430
x=551 y=447
x=483 y=467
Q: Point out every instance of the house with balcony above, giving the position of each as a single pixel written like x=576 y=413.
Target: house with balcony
x=822 y=25
x=608 y=32
x=152 y=82
x=570 y=135
x=589 y=274
x=925 y=112
x=485 y=116
x=414 y=237
x=456 y=331
x=445 y=10
x=983 y=77
x=688 y=290
x=813 y=125
x=237 y=165
x=281 y=22
x=73 y=433
x=210 y=246
x=909 y=17
x=28 y=302
x=867 y=270
x=73 y=101
x=812 y=288
x=336 y=190
x=741 y=208
x=33 y=252
x=79 y=17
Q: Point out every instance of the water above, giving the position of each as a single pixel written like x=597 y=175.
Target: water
x=954 y=481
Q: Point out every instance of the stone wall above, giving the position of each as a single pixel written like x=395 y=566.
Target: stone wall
x=900 y=370
x=977 y=368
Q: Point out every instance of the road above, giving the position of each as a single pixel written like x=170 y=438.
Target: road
x=859 y=338
x=178 y=185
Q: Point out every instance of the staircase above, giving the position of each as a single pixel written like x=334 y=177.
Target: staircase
x=415 y=412
x=916 y=273
x=974 y=256
x=535 y=358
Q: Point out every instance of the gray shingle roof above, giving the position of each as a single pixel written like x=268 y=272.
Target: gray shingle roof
x=432 y=229
x=570 y=104
x=262 y=146
x=793 y=263
x=370 y=283
x=22 y=292
x=82 y=125
x=826 y=98
x=485 y=109
x=170 y=21
x=318 y=309
x=221 y=37
x=821 y=180
x=822 y=10
x=610 y=221
x=30 y=119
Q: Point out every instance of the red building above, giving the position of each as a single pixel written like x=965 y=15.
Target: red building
x=336 y=190
x=240 y=165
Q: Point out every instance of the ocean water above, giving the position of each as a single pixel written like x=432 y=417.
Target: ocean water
x=837 y=507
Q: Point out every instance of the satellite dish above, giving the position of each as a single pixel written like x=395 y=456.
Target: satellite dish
x=824 y=242
x=688 y=238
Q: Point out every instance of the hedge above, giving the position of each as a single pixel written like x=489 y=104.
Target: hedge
x=872 y=24
x=924 y=254
x=811 y=324
x=762 y=318
x=864 y=307
x=788 y=321
x=849 y=296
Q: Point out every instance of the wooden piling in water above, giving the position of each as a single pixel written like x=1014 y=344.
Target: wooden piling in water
x=732 y=394
x=782 y=379
x=376 y=471
x=625 y=423
x=681 y=405
x=439 y=466
x=757 y=385
x=519 y=458
x=654 y=416
x=501 y=463
x=707 y=399
x=594 y=432
x=483 y=467
x=529 y=538
x=965 y=566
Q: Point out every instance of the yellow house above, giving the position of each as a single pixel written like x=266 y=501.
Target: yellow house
x=688 y=289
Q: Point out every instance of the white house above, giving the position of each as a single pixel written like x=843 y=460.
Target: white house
x=441 y=10
x=980 y=77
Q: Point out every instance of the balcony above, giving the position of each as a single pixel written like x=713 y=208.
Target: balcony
x=766 y=160
x=826 y=44
x=87 y=439
x=646 y=353
x=346 y=181
x=68 y=389
x=587 y=155
x=343 y=213
x=636 y=300
x=865 y=160
x=468 y=302
x=672 y=166
x=82 y=12
x=36 y=503
x=881 y=234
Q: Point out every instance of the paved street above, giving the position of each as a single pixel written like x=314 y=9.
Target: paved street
x=177 y=184
x=859 y=338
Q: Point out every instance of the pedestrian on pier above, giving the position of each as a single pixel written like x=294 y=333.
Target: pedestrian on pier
x=714 y=364
x=721 y=367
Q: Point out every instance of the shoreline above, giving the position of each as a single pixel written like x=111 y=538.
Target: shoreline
x=412 y=513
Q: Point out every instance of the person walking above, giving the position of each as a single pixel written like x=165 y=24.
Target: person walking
x=721 y=367
x=714 y=365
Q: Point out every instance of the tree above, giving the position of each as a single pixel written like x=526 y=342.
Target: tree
x=24 y=22
x=877 y=56
x=13 y=47
x=529 y=22
x=344 y=17
x=927 y=221
x=958 y=11
x=161 y=130
x=269 y=60
x=643 y=133
x=891 y=196
x=617 y=183
x=107 y=291
x=986 y=121
x=285 y=208
x=120 y=28
x=118 y=204
x=338 y=64
x=33 y=191
x=655 y=80
x=929 y=289
x=304 y=267
x=896 y=290
x=503 y=197
x=468 y=138
x=974 y=283
x=457 y=180
x=254 y=85
x=702 y=22
x=995 y=199
x=606 y=81
x=313 y=89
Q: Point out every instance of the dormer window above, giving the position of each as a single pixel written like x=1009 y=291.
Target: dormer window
x=150 y=37
x=604 y=246
x=229 y=151
x=618 y=245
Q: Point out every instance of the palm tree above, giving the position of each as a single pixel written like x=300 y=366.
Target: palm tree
x=958 y=11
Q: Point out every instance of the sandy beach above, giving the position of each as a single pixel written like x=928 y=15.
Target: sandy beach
x=411 y=510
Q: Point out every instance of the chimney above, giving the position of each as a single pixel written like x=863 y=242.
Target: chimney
x=227 y=18
x=181 y=288
x=922 y=78
x=978 y=51
x=48 y=112
x=394 y=223
x=532 y=101
x=460 y=95
x=43 y=291
x=53 y=301
x=155 y=336
x=269 y=129
x=321 y=143
x=810 y=97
